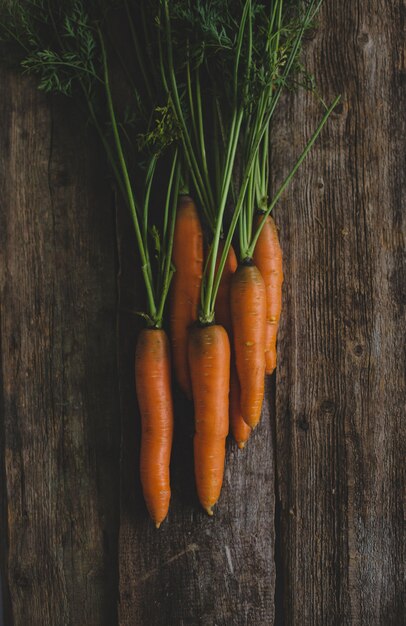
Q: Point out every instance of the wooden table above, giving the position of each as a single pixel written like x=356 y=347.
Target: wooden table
x=309 y=526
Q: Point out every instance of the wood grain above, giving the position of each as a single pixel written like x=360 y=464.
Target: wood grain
x=59 y=391
x=341 y=375
x=320 y=540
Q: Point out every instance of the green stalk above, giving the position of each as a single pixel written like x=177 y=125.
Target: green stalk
x=243 y=190
x=190 y=95
x=148 y=184
x=127 y=184
x=145 y=211
x=203 y=145
x=168 y=195
x=265 y=168
x=247 y=9
x=168 y=269
x=162 y=65
x=250 y=250
x=234 y=221
x=293 y=53
x=195 y=170
x=266 y=107
x=216 y=159
x=242 y=230
x=208 y=304
x=213 y=279
x=105 y=143
x=278 y=32
x=275 y=6
x=148 y=43
x=138 y=51
x=229 y=152
x=250 y=205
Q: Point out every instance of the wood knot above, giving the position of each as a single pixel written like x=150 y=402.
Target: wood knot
x=339 y=108
x=21 y=579
x=327 y=406
x=303 y=423
x=363 y=39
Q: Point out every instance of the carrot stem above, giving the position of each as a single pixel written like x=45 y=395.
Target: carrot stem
x=168 y=269
x=127 y=184
x=250 y=250
x=192 y=160
x=138 y=50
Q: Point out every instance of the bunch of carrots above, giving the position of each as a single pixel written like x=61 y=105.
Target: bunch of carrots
x=221 y=364
x=198 y=85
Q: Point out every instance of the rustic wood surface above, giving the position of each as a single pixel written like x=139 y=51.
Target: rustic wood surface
x=59 y=386
x=309 y=527
x=341 y=378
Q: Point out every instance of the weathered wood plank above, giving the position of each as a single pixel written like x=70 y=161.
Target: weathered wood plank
x=59 y=391
x=340 y=381
x=194 y=569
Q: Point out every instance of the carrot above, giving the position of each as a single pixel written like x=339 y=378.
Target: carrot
x=248 y=313
x=222 y=307
x=153 y=386
x=187 y=257
x=239 y=429
x=268 y=259
x=209 y=358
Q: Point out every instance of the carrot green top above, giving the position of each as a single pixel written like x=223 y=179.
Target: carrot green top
x=225 y=65
x=192 y=105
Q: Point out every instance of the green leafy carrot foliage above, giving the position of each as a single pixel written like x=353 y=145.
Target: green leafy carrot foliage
x=73 y=49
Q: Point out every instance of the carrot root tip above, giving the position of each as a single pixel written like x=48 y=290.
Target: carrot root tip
x=241 y=444
x=209 y=511
x=157 y=524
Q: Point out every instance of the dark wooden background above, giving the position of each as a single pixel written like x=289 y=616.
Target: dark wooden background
x=309 y=528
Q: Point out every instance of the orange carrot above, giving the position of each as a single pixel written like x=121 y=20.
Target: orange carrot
x=248 y=313
x=222 y=308
x=239 y=429
x=268 y=259
x=187 y=258
x=209 y=358
x=153 y=386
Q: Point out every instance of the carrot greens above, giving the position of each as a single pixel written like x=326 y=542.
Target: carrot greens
x=69 y=47
x=226 y=72
x=282 y=44
x=206 y=76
